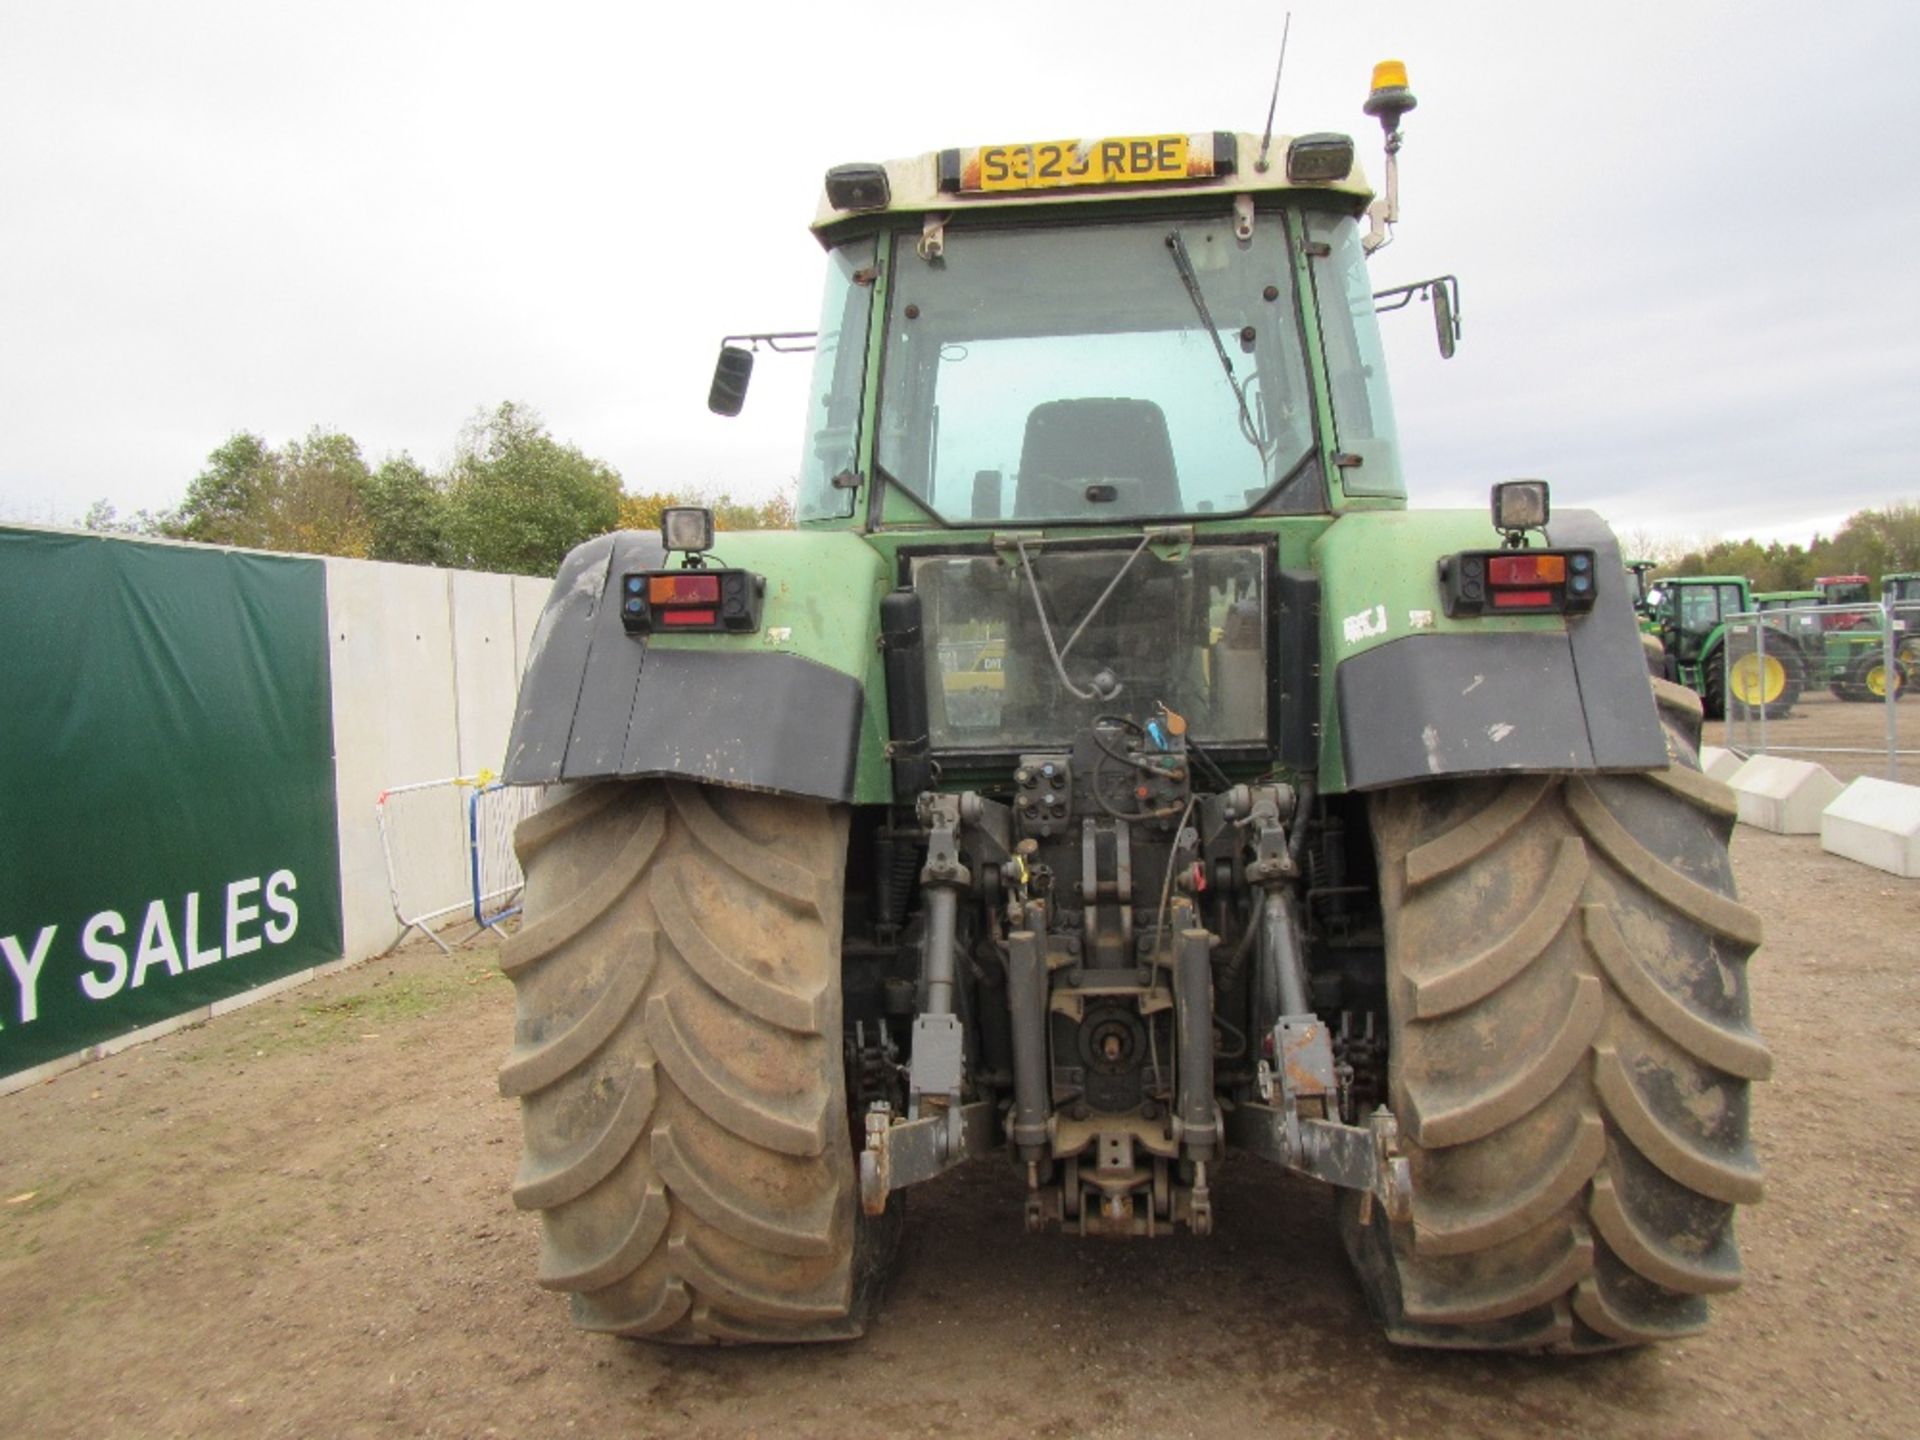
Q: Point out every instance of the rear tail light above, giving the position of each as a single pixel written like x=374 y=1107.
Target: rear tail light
x=727 y=601
x=696 y=588
x=1526 y=569
x=1518 y=582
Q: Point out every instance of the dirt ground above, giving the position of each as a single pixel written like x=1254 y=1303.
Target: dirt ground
x=1849 y=738
x=293 y=1221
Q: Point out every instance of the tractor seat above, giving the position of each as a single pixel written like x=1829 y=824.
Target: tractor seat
x=1091 y=458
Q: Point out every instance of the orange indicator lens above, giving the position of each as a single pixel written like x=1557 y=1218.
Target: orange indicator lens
x=683 y=589
x=1527 y=570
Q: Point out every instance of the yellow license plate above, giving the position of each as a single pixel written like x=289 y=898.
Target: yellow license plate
x=1059 y=164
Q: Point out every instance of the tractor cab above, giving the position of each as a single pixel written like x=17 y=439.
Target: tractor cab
x=1792 y=611
x=1902 y=588
x=1691 y=609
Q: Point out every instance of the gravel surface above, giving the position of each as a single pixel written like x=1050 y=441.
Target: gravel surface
x=293 y=1221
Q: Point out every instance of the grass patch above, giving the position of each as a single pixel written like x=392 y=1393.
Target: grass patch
x=392 y=1000
x=18 y=1240
x=38 y=1199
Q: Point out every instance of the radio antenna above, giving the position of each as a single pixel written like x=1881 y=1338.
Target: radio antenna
x=1267 y=139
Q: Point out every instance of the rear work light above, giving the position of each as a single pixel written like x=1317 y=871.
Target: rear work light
x=726 y=601
x=1518 y=582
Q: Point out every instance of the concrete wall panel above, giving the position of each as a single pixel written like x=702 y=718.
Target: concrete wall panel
x=391 y=637
x=486 y=671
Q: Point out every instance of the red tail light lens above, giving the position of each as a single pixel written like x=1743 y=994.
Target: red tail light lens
x=1527 y=569
x=683 y=589
x=1523 y=599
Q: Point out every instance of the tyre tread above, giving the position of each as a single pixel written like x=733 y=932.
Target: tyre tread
x=683 y=1107
x=1574 y=1193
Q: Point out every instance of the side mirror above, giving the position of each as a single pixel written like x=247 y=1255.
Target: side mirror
x=1444 y=292
x=731 y=372
x=1444 y=327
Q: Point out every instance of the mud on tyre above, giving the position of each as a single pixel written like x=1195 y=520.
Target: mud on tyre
x=677 y=1056
x=1570 y=1055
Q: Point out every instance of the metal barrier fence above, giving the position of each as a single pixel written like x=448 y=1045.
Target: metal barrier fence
x=448 y=847
x=494 y=812
x=1823 y=680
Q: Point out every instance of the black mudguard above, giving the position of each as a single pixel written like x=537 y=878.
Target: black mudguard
x=758 y=721
x=1501 y=702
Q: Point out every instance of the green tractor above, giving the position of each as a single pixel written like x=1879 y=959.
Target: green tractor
x=1769 y=601
x=1723 y=659
x=1853 y=652
x=1287 y=824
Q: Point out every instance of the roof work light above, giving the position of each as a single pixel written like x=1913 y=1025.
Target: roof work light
x=858 y=187
x=1320 y=157
x=1520 y=506
x=688 y=528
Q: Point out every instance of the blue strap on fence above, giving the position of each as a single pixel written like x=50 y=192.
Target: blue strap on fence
x=480 y=917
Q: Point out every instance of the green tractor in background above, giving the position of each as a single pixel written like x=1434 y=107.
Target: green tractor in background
x=1788 y=610
x=1113 y=777
x=1715 y=655
x=1852 y=658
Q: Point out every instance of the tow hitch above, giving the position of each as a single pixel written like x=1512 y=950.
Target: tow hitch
x=1354 y=1157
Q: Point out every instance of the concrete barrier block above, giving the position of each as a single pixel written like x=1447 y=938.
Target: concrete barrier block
x=1782 y=795
x=1876 y=822
x=1718 y=763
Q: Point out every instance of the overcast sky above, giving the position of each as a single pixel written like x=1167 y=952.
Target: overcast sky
x=1684 y=231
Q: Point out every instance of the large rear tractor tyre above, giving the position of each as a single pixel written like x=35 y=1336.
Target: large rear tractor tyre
x=1908 y=658
x=1713 y=685
x=678 y=1060
x=1570 y=1056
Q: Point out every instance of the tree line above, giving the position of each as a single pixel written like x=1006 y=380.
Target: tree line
x=513 y=499
x=1871 y=543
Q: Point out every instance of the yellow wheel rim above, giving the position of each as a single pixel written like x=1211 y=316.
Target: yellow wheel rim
x=1757 y=679
x=1877 y=682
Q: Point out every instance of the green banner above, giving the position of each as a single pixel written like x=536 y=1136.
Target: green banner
x=167 y=826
